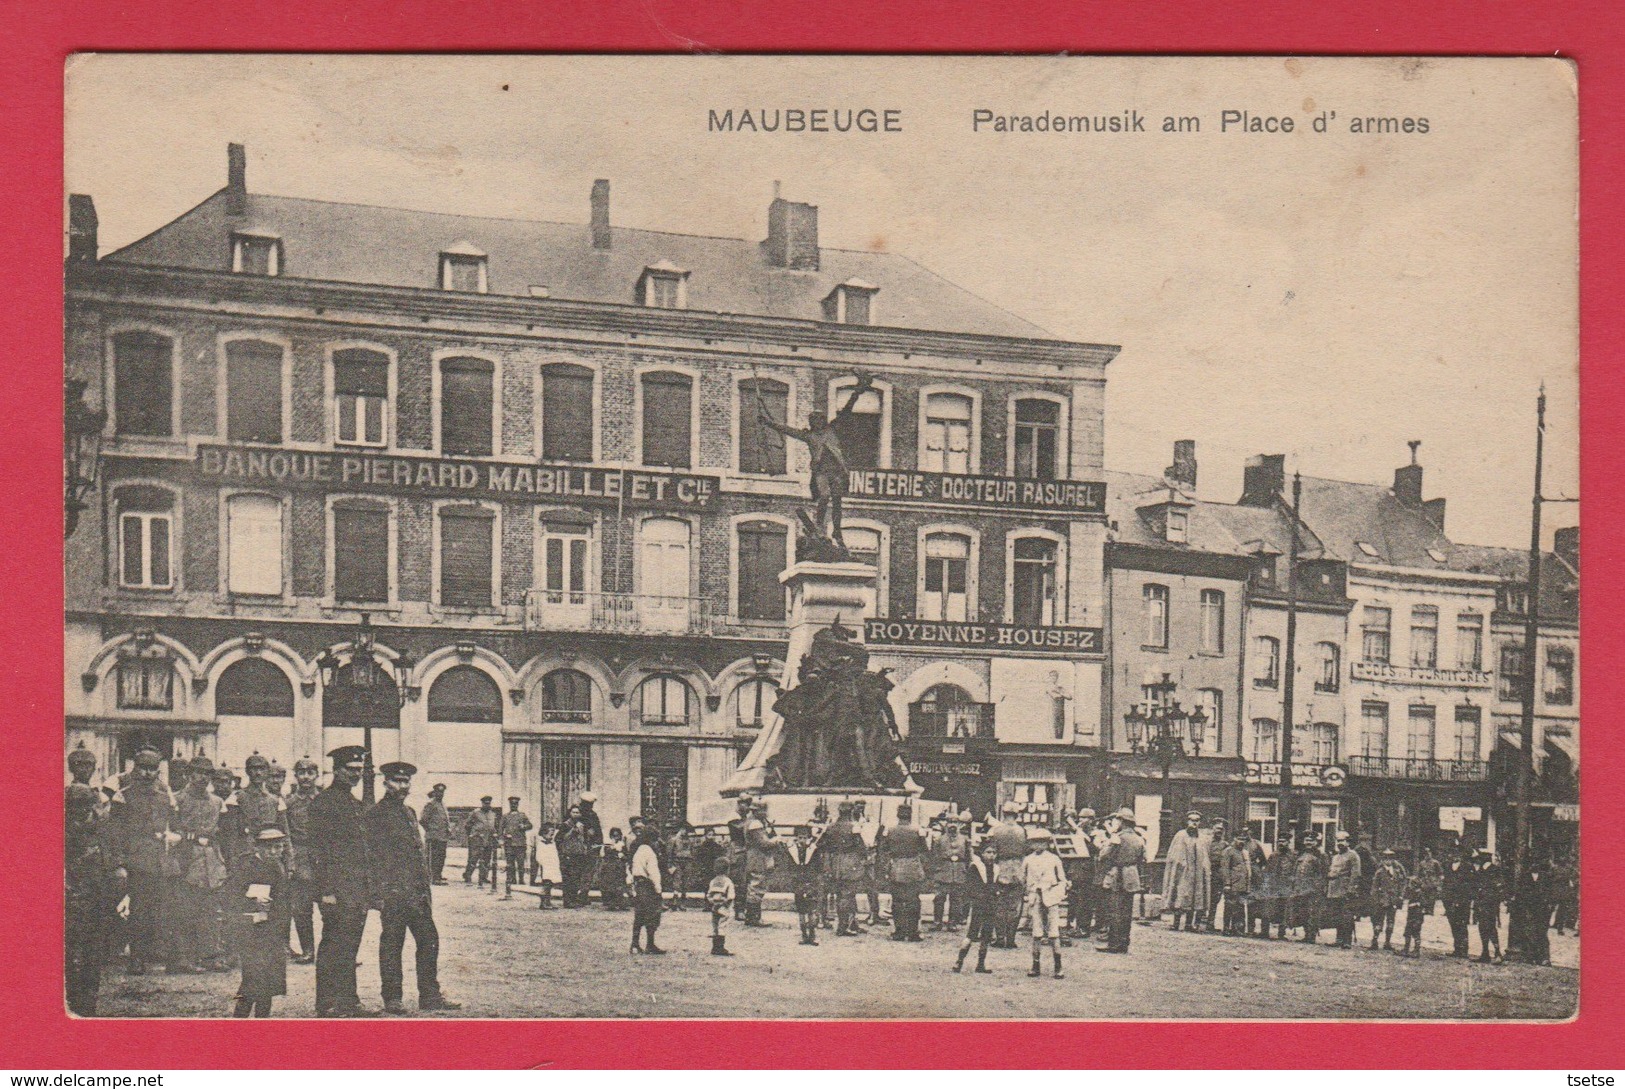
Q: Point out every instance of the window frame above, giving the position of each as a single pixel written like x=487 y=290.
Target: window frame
x=743 y=406
x=145 y=518
x=465 y=668
x=387 y=415
x=1059 y=593
x=228 y=498
x=1470 y=621
x=974 y=453
x=1212 y=698
x=1063 y=437
x=1548 y=696
x=241 y=240
x=656 y=280
x=838 y=389
x=1207 y=606
x=437 y=398
x=493 y=514
x=583 y=527
x=1509 y=683
x=972 y=567
x=223 y=345
x=1420 y=612
x=1268 y=648
x=482 y=263
x=539 y=435
x=882 y=557
x=1369 y=629
x=759 y=685
x=145 y=662
x=736 y=531
x=695 y=388
x=1468 y=712
x=1274 y=755
x=360 y=500
x=1366 y=720
x=1328 y=653
x=571 y=715
x=110 y=377
x=666 y=679
x=1411 y=719
x=1149 y=639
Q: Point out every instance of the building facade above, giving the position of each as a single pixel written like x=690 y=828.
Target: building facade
x=522 y=468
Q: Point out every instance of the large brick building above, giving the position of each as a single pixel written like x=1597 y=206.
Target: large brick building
x=530 y=456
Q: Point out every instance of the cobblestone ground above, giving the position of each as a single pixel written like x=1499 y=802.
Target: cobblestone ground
x=507 y=959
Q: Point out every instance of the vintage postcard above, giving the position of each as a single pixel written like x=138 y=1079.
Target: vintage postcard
x=821 y=537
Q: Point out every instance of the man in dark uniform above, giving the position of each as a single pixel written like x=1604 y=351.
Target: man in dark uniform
x=257 y=808
x=302 y=860
x=843 y=851
x=337 y=829
x=1489 y=889
x=1121 y=879
x=436 y=825
x=87 y=887
x=514 y=832
x=737 y=852
x=903 y=850
x=143 y=815
x=480 y=831
x=400 y=879
x=1457 y=894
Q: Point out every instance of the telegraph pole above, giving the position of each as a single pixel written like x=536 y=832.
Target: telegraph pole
x=1288 y=705
x=1531 y=634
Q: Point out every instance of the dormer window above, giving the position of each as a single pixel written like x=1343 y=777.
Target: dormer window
x=1178 y=526
x=254 y=253
x=851 y=303
x=663 y=285
x=463 y=268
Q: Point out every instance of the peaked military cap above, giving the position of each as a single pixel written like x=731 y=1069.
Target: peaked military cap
x=398 y=768
x=345 y=754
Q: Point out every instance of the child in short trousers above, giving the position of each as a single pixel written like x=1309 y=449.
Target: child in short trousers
x=719 y=897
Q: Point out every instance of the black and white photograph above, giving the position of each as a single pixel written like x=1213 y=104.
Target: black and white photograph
x=821 y=537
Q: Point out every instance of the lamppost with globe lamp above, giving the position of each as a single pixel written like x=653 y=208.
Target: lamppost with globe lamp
x=1159 y=731
x=360 y=683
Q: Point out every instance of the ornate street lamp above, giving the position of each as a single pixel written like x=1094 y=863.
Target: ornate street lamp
x=1159 y=728
x=363 y=675
x=81 y=450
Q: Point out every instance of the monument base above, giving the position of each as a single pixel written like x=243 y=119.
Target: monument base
x=788 y=809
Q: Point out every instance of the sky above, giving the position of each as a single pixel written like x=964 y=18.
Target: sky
x=1326 y=295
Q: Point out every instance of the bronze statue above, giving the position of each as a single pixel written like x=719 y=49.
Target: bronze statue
x=829 y=472
x=839 y=729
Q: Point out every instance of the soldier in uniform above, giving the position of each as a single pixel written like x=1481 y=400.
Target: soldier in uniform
x=1008 y=888
x=1276 y=894
x=196 y=931
x=480 y=829
x=337 y=829
x=302 y=858
x=736 y=852
x=86 y=887
x=761 y=851
x=843 y=852
x=276 y=784
x=258 y=808
x=904 y=852
x=1119 y=867
x=400 y=879
x=1489 y=889
x=143 y=818
x=514 y=831
x=1309 y=889
x=436 y=825
x=950 y=853
x=1457 y=893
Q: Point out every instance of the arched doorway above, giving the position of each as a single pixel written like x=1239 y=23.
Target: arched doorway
x=357 y=699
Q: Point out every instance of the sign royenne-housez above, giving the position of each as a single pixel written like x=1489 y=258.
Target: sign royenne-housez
x=1030 y=638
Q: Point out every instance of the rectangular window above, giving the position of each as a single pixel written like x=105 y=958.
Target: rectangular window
x=146 y=684
x=856 y=306
x=1267 y=663
x=1329 y=671
x=947 y=565
x=1470 y=641
x=1266 y=741
x=1323 y=743
x=254 y=545
x=763 y=554
x=253 y=392
x=143 y=387
x=1211 y=703
x=1509 y=679
x=860 y=429
x=947 y=434
x=465 y=558
x=1212 y=622
x=1178 y=526
x=1033 y=589
x=567 y=416
x=145 y=550
x=1374 y=631
x=1374 y=730
x=1559 y=682
x=1263 y=821
x=1419 y=738
x=564 y=563
x=1469 y=734
x=360 y=554
x=465 y=407
x=462 y=272
x=1038 y=439
x=663 y=291
x=761 y=449
x=256 y=255
x=1325 y=820
x=1425 y=637
x=667 y=419
x=1156 y=615
x=360 y=394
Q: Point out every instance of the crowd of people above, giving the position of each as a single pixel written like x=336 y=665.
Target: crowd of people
x=204 y=873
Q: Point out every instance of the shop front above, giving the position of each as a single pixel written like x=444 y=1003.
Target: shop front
x=1215 y=787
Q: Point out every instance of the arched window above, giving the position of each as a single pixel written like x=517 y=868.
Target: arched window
x=143 y=384
x=347 y=705
x=254 y=686
x=146 y=537
x=945 y=437
x=253 y=391
x=946 y=710
x=665 y=700
x=1328 y=667
x=567 y=419
x=753 y=703
x=566 y=696
x=464 y=694
x=668 y=417
x=465 y=407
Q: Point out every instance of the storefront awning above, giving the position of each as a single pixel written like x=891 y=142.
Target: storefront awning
x=1223 y=769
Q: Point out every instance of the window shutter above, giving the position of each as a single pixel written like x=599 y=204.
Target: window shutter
x=465 y=407
x=761 y=449
x=667 y=415
x=360 y=372
x=143 y=388
x=465 y=558
x=253 y=392
x=254 y=543
x=567 y=418
x=763 y=554
x=360 y=554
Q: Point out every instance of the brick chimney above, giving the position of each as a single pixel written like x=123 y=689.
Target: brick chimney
x=1408 y=480
x=792 y=234
x=600 y=214
x=1263 y=479
x=1183 y=471
x=236 y=180
x=1566 y=543
x=81 y=228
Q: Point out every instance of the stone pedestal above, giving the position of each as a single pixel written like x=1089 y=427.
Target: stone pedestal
x=820 y=594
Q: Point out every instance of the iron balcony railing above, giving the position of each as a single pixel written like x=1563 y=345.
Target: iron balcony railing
x=973 y=721
x=1399 y=767
x=568 y=610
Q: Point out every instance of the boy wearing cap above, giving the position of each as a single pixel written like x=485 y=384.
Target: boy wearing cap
x=719 y=897
x=400 y=881
x=979 y=891
x=261 y=911
x=1387 y=894
x=1045 y=884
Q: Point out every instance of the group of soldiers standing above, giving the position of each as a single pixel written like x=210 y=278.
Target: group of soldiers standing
x=203 y=873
